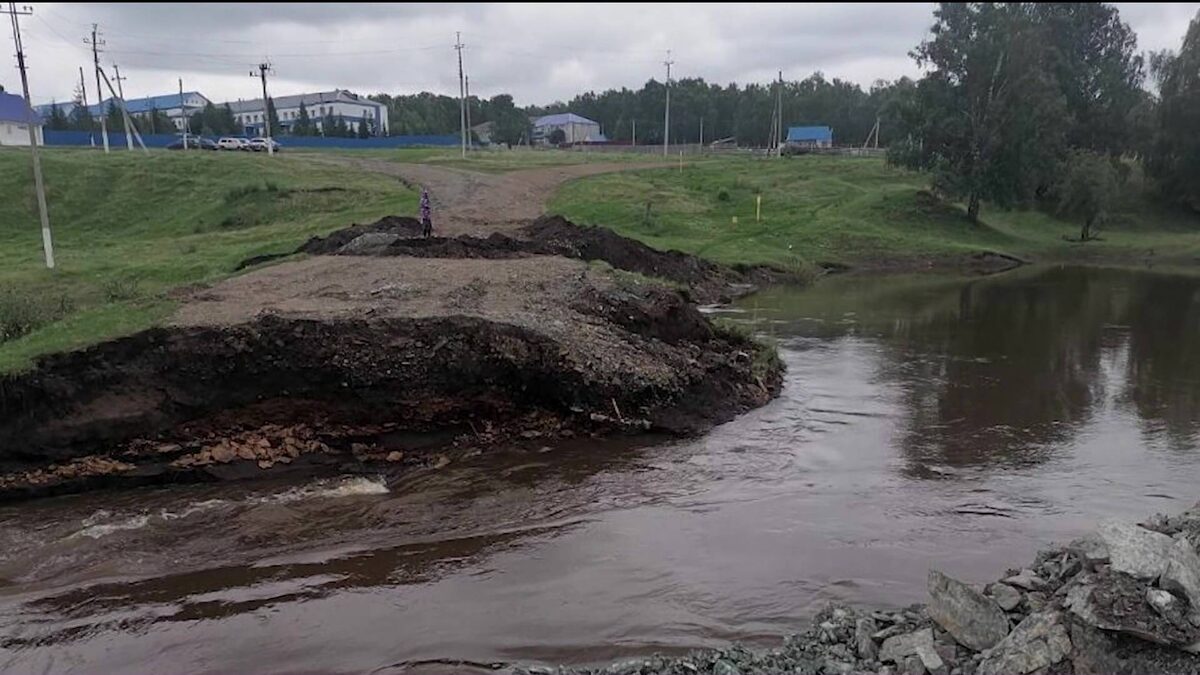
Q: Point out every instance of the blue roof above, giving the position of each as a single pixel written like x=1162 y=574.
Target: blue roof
x=810 y=134
x=562 y=118
x=135 y=105
x=14 y=109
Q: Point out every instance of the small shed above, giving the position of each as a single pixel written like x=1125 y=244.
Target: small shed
x=15 y=118
x=810 y=137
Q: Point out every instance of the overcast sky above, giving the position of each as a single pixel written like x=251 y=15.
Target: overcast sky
x=537 y=52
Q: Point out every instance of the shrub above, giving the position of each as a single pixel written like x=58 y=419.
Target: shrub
x=22 y=313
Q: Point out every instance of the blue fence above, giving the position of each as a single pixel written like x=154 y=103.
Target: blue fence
x=117 y=140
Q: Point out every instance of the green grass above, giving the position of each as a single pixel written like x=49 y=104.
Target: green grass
x=493 y=161
x=847 y=210
x=129 y=228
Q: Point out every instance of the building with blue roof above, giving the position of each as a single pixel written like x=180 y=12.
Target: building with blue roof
x=809 y=137
x=177 y=107
x=15 y=118
x=576 y=129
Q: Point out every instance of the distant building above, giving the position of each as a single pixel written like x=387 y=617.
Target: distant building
x=15 y=118
x=177 y=107
x=484 y=132
x=809 y=137
x=575 y=129
x=351 y=107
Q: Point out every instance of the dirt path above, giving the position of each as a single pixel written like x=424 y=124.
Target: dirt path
x=469 y=202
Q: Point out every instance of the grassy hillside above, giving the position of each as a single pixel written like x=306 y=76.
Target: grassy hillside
x=493 y=161
x=129 y=228
x=847 y=210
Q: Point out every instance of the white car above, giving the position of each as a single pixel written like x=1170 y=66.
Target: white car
x=260 y=145
x=230 y=143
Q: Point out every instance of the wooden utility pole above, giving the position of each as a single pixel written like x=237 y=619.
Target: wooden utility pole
x=263 y=69
x=667 y=112
x=32 y=122
x=121 y=95
x=462 y=108
x=95 y=42
x=87 y=111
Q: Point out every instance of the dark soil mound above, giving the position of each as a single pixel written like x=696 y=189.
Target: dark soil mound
x=398 y=225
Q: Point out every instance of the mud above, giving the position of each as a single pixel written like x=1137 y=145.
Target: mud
x=707 y=282
x=486 y=361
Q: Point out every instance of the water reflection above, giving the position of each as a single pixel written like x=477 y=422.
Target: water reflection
x=1006 y=370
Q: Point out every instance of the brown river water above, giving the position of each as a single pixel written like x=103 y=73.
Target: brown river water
x=925 y=422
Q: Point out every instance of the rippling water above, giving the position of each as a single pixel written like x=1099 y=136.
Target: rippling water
x=925 y=421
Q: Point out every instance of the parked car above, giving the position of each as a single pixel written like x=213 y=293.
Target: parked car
x=260 y=145
x=233 y=143
x=193 y=143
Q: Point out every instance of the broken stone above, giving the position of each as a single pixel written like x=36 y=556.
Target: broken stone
x=1161 y=601
x=359 y=448
x=912 y=666
x=245 y=452
x=897 y=647
x=1118 y=602
x=974 y=620
x=395 y=456
x=441 y=462
x=863 y=642
x=265 y=463
x=1135 y=550
x=1182 y=572
x=1039 y=641
x=222 y=453
x=1006 y=596
x=1027 y=580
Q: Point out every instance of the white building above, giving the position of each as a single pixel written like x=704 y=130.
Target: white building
x=15 y=118
x=177 y=107
x=320 y=106
x=575 y=129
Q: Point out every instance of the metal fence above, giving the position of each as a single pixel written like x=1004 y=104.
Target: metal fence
x=116 y=140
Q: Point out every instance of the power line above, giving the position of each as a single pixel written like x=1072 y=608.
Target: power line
x=263 y=69
x=31 y=124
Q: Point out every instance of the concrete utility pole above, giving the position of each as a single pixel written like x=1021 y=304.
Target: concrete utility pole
x=183 y=112
x=667 y=113
x=121 y=95
x=95 y=42
x=467 y=81
x=779 y=116
x=263 y=69
x=462 y=109
x=635 y=132
x=31 y=123
x=702 y=134
x=83 y=95
x=130 y=129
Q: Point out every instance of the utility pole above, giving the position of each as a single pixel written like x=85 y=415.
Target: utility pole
x=121 y=95
x=779 y=116
x=95 y=42
x=635 y=132
x=462 y=109
x=701 y=134
x=87 y=111
x=263 y=69
x=183 y=112
x=467 y=80
x=667 y=112
x=32 y=123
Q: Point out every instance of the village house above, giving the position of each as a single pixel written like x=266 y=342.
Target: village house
x=15 y=118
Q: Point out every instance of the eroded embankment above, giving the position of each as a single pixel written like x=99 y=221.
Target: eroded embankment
x=343 y=360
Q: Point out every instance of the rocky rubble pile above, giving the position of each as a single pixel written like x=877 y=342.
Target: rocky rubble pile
x=1125 y=599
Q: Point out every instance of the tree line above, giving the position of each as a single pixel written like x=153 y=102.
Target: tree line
x=1044 y=104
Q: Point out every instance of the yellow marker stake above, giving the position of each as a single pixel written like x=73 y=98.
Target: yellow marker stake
x=757 y=208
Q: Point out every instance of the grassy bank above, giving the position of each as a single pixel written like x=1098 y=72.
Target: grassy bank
x=854 y=211
x=492 y=161
x=130 y=228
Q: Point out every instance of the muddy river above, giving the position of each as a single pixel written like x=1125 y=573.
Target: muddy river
x=925 y=421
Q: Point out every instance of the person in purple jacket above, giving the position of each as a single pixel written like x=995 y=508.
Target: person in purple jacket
x=426 y=223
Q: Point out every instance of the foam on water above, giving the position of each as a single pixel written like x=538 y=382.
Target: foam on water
x=100 y=523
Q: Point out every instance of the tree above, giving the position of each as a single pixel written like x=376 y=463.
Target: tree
x=510 y=124
x=303 y=125
x=1174 y=158
x=272 y=117
x=1087 y=189
x=992 y=117
x=113 y=117
x=226 y=121
x=363 y=130
x=154 y=122
x=557 y=137
x=58 y=119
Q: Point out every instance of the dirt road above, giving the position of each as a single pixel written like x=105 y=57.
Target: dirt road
x=469 y=202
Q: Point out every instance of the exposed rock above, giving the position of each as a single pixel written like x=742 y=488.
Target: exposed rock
x=395 y=456
x=1027 y=580
x=1135 y=550
x=1039 y=641
x=1006 y=596
x=1117 y=602
x=1091 y=549
x=974 y=620
x=222 y=453
x=863 y=642
x=897 y=647
x=369 y=243
x=1182 y=572
x=1162 y=601
x=912 y=665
